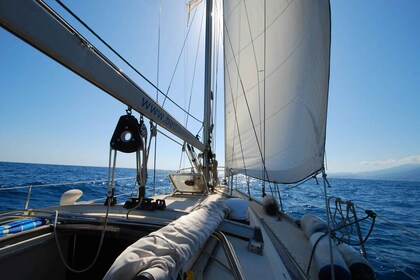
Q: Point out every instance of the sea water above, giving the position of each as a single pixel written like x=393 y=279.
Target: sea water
x=393 y=248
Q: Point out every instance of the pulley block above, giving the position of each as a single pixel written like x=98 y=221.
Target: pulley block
x=126 y=137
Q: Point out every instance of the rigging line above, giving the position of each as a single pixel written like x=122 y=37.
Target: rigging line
x=169 y=137
x=179 y=58
x=234 y=100
x=257 y=74
x=237 y=125
x=193 y=79
x=302 y=182
x=284 y=60
x=275 y=69
x=264 y=89
x=121 y=57
x=195 y=66
x=157 y=98
x=215 y=95
x=181 y=158
x=216 y=56
x=227 y=17
x=327 y=210
x=393 y=223
x=192 y=82
x=325 y=159
x=198 y=133
x=247 y=104
x=262 y=33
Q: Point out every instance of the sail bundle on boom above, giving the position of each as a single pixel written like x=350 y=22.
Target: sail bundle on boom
x=276 y=87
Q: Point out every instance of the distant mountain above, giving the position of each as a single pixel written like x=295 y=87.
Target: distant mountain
x=408 y=172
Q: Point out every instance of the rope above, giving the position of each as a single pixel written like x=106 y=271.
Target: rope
x=119 y=195
x=99 y=247
x=313 y=252
x=122 y=58
x=280 y=200
x=352 y=223
x=302 y=182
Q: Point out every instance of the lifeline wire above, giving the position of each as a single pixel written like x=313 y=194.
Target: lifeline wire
x=394 y=224
x=63 y=184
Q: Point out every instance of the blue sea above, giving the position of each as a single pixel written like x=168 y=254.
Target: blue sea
x=393 y=247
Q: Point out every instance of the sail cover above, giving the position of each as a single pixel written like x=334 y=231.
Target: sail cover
x=164 y=252
x=277 y=64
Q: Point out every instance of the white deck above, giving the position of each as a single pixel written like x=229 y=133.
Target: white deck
x=280 y=236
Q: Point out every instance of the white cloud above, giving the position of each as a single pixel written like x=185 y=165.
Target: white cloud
x=382 y=164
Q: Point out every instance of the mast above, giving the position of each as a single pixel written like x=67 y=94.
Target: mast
x=207 y=90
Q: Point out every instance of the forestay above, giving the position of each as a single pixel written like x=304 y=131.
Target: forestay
x=277 y=64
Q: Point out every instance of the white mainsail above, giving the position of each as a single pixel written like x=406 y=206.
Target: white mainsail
x=277 y=64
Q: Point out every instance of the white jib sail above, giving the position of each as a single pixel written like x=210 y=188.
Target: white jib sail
x=277 y=64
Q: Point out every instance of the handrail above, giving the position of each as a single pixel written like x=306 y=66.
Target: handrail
x=29 y=187
x=230 y=254
x=63 y=184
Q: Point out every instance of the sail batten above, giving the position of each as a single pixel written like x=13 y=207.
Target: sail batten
x=279 y=53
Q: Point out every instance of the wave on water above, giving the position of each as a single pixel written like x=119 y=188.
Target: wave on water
x=393 y=247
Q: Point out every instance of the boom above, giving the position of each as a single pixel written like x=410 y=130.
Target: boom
x=38 y=25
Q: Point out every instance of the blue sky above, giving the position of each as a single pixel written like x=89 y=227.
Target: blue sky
x=50 y=115
x=374 y=105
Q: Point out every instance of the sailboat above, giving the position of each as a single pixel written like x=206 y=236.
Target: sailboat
x=276 y=65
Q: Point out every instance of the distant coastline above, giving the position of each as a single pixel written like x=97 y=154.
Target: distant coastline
x=76 y=165
x=408 y=172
